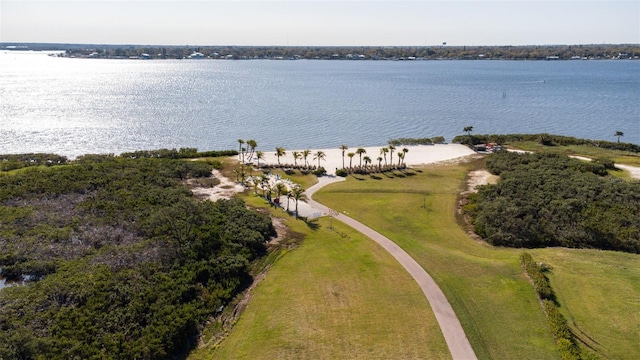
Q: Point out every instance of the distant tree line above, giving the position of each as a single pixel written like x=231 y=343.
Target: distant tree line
x=17 y=161
x=527 y=52
x=182 y=153
x=547 y=199
x=544 y=139
x=417 y=141
x=10 y=162
x=124 y=262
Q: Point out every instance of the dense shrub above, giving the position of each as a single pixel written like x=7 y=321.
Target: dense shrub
x=565 y=339
x=414 y=141
x=10 y=162
x=540 y=282
x=320 y=171
x=182 y=153
x=551 y=200
x=132 y=263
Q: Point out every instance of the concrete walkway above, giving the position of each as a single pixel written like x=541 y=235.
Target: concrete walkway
x=454 y=335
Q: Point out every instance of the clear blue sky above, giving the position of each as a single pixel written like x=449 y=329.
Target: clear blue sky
x=320 y=23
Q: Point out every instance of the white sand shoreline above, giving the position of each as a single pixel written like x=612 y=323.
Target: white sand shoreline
x=417 y=155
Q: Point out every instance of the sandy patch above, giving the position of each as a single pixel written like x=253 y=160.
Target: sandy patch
x=479 y=177
x=225 y=190
x=417 y=155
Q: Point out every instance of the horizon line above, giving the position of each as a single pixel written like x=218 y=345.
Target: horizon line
x=6 y=43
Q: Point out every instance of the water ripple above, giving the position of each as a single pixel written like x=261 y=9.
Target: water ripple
x=74 y=106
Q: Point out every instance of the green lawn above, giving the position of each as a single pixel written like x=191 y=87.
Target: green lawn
x=338 y=296
x=599 y=294
x=494 y=302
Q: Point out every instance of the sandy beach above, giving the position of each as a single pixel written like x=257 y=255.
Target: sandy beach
x=417 y=155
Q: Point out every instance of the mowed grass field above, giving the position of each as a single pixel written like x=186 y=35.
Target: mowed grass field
x=486 y=287
x=599 y=294
x=338 y=296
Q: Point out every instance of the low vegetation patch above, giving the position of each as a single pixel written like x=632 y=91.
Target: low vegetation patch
x=548 y=140
x=565 y=339
x=417 y=141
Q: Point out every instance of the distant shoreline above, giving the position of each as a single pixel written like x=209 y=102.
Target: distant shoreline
x=355 y=53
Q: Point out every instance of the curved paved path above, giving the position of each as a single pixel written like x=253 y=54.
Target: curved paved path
x=454 y=335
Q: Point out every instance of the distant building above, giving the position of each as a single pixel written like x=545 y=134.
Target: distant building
x=196 y=55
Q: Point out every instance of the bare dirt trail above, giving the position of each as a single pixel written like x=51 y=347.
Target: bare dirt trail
x=454 y=335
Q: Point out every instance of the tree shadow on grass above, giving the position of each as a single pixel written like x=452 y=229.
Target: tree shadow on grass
x=375 y=177
x=311 y=223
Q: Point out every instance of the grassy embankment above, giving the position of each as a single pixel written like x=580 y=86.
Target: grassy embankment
x=493 y=300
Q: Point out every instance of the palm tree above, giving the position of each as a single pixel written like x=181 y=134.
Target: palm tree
x=296 y=155
x=305 y=155
x=404 y=151
x=280 y=152
x=343 y=148
x=618 y=134
x=269 y=191
x=242 y=172
x=384 y=152
x=351 y=155
x=264 y=181
x=281 y=189
x=256 y=182
x=252 y=144
x=391 y=148
x=319 y=155
x=289 y=195
x=468 y=130
x=361 y=151
x=297 y=193
x=259 y=156
x=379 y=162
x=400 y=158
x=367 y=160
x=240 y=153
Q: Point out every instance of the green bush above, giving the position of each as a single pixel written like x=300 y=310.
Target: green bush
x=565 y=339
x=133 y=263
x=320 y=172
x=547 y=199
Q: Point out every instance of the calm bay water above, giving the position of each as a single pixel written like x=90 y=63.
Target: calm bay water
x=78 y=106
